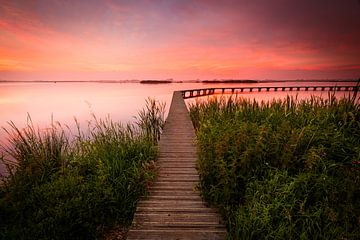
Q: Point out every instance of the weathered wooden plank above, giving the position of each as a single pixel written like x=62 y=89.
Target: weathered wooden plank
x=172 y=203
x=177 y=209
x=176 y=166
x=188 y=185
x=190 y=170
x=177 y=171
x=173 y=192
x=175 y=159
x=183 y=169
x=165 y=217
x=169 y=198
x=177 y=154
x=187 y=175
x=168 y=188
x=175 y=224
x=173 y=234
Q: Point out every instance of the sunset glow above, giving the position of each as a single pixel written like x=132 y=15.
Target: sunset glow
x=183 y=40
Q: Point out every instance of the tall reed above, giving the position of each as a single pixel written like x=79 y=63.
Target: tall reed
x=285 y=169
x=151 y=119
x=73 y=189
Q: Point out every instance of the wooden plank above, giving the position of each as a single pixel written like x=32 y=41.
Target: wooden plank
x=185 y=170
x=175 y=224
x=173 y=192
x=178 y=178
x=177 y=165
x=179 y=175
x=169 y=188
x=176 y=209
x=165 y=217
x=171 y=203
x=173 y=234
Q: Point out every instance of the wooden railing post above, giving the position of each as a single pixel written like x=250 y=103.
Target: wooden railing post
x=210 y=91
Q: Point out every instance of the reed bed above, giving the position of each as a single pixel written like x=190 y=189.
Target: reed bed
x=59 y=188
x=284 y=169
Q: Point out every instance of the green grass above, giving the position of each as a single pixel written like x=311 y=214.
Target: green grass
x=74 y=189
x=286 y=169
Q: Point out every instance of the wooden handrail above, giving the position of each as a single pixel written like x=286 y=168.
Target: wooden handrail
x=191 y=93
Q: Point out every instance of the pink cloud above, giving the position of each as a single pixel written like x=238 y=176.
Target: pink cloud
x=179 y=39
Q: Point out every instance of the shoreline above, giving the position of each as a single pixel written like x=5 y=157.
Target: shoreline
x=182 y=81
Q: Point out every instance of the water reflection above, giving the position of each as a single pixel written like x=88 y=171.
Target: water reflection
x=63 y=102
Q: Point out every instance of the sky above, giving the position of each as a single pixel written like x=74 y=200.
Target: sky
x=179 y=39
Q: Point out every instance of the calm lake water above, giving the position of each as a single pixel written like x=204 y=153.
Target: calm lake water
x=63 y=102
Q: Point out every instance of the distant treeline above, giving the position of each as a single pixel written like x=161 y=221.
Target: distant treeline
x=229 y=81
x=154 y=81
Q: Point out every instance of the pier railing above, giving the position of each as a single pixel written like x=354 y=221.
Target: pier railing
x=225 y=90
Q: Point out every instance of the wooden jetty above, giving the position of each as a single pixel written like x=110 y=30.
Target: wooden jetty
x=210 y=91
x=174 y=208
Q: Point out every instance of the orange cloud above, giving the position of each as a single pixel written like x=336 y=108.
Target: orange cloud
x=177 y=39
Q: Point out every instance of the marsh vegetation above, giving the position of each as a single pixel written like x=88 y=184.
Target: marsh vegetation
x=284 y=169
x=74 y=187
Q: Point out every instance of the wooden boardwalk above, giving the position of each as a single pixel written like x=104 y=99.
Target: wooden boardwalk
x=174 y=209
